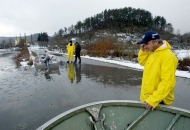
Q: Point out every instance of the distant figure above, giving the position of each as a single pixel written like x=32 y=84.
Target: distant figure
x=71 y=73
x=70 y=51
x=77 y=52
x=47 y=59
x=160 y=63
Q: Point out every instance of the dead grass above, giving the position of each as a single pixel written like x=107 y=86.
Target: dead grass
x=108 y=47
x=101 y=48
x=24 y=54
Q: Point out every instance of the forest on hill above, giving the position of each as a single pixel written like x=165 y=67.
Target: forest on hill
x=125 y=20
x=129 y=21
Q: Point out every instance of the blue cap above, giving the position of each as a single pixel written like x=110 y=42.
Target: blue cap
x=149 y=35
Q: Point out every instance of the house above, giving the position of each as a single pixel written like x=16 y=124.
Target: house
x=17 y=41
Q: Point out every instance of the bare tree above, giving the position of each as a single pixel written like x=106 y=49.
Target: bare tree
x=3 y=43
x=178 y=32
x=11 y=42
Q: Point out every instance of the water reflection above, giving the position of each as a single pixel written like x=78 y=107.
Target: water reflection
x=62 y=64
x=109 y=76
x=4 y=52
x=74 y=72
x=78 y=72
x=71 y=73
x=112 y=76
x=7 y=63
x=47 y=73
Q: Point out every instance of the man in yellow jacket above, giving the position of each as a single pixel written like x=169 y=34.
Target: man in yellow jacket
x=160 y=63
x=70 y=51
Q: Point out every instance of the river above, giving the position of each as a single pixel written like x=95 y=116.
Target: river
x=31 y=97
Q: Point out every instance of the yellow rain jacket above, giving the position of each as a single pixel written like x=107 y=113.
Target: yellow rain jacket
x=70 y=50
x=158 y=82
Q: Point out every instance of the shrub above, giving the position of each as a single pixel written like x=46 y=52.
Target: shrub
x=101 y=48
x=183 y=63
x=24 y=54
x=34 y=54
x=30 y=62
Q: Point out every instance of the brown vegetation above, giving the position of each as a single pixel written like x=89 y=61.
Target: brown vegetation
x=109 y=47
x=101 y=48
x=183 y=63
x=24 y=54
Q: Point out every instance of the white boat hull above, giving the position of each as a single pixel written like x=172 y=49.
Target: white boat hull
x=53 y=63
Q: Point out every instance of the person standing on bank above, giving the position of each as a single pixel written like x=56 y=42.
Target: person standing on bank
x=77 y=52
x=160 y=63
x=70 y=51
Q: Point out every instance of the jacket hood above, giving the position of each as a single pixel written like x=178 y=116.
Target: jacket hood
x=165 y=45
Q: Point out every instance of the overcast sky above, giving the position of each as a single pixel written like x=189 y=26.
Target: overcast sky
x=35 y=16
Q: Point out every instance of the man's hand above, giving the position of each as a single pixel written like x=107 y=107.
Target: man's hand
x=148 y=106
x=143 y=47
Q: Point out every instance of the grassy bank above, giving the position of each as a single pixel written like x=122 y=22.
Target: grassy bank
x=23 y=55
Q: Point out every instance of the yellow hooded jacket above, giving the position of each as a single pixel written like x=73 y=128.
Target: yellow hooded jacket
x=159 y=79
x=70 y=50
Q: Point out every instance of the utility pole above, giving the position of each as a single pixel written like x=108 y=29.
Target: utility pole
x=16 y=41
x=25 y=38
x=31 y=40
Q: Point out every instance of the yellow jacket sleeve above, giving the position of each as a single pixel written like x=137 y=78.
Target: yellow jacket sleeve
x=142 y=57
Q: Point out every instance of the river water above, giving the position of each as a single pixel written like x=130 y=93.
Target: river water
x=30 y=97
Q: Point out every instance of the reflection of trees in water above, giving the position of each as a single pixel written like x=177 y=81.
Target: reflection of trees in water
x=112 y=76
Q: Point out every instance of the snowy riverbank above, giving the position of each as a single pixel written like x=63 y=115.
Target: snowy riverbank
x=180 y=54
